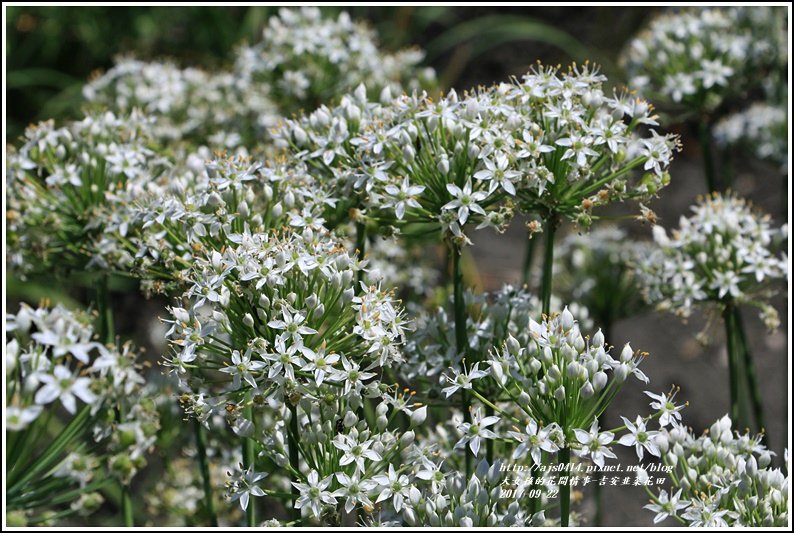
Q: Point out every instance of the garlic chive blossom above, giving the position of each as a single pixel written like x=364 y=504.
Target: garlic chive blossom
x=724 y=250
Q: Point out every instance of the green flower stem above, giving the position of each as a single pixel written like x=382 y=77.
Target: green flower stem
x=204 y=467
x=708 y=159
x=105 y=308
x=461 y=340
x=548 y=263
x=249 y=459
x=752 y=376
x=294 y=459
x=729 y=318
x=361 y=246
x=126 y=506
x=526 y=271
x=564 y=456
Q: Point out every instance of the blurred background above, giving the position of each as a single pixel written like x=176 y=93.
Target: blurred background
x=52 y=51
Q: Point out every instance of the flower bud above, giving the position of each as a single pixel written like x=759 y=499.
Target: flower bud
x=443 y=166
x=410 y=517
x=512 y=345
x=248 y=320
x=598 y=339
x=621 y=373
x=566 y=319
x=559 y=394
x=627 y=353
x=350 y=419
x=586 y=391
x=419 y=416
x=242 y=209
x=523 y=399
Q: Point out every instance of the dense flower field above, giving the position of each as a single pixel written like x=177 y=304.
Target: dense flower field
x=306 y=215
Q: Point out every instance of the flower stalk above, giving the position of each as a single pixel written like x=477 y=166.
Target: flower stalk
x=461 y=340
x=548 y=263
x=201 y=447
x=249 y=460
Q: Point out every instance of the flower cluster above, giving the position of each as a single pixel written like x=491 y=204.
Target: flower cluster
x=554 y=143
x=720 y=479
x=54 y=357
x=560 y=382
x=268 y=297
x=204 y=200
x=698 y=57
x=309 y=60
x=761 y=130
x=221 y=109
x=67 y=186
x=723 y=252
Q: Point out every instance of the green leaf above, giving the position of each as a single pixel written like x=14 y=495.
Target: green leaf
x=39 y=77
x=491 y=31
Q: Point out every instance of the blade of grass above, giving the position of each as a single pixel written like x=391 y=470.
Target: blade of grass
x=491 y=31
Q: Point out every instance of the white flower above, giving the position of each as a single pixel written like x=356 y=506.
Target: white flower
x=664 y=404
x=319 y=362
x=578 y=147
x=292 y=326
x=18 y=418
x=62 y=385
x=534 y=440
x=465 y=201
x=498 y=174
x=313 y=493
x=476 y=430
x=244 y=485
x=667 y=506
x=285 y=360
x=640 y=438
x=354 y=490
x=403 y=197
x=462 y=380
x=355 y=452
x=393 y=485
x=242 y=368
x=594 y=444
x=714 y=72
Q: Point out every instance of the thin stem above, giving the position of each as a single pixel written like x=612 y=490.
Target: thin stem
x=752 y=376
x=204 y=467
x=526 y=271
x=461 y=340
x=294 y=459
x=249 y=459
x=548 y=263
x=733 y=372
x=705 y=148
x=361 y=246
x=564 y=456
x=105 y=308
x=126 y=506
